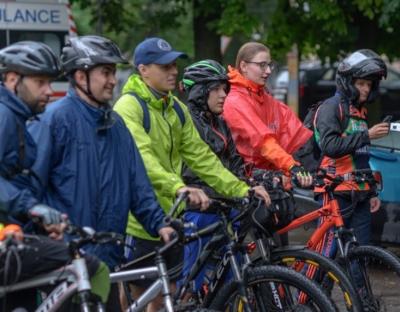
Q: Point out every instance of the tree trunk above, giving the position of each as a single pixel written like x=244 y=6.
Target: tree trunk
x=207 y=44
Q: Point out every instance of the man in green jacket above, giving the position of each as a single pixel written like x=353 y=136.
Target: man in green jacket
x=166 y=137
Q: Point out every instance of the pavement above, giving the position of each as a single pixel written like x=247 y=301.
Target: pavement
x=386 y=284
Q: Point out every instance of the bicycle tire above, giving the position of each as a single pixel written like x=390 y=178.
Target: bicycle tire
x=331 y=276
x=285 y=281
x=381 y=278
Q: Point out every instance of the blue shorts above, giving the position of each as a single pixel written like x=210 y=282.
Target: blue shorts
x=191 y=250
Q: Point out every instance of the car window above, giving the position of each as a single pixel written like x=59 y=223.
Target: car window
x=282 y=79
x=392 y=75
x=329 y=74
x=391 y=141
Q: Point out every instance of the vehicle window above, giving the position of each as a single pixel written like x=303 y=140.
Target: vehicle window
x=392 y=75
x=282 y=79
x=391 y=141
x=3 y=38
x=55 y=40
x=329 y=74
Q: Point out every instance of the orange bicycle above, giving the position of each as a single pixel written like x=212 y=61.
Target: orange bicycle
x=367 y=266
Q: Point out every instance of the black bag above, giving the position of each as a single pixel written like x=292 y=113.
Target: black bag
x=310 y=155
x=279 y=214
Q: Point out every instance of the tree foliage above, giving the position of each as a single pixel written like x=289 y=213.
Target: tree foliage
x=326 y=28
x=334 y=27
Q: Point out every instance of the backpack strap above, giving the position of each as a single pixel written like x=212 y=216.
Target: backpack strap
x=146 y=115
x=179 y=111
x=344 y=116
x=145 y=109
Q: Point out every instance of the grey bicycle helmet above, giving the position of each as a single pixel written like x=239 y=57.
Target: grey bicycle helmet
x=29 y=58
x=86 y=52
x=363 y=64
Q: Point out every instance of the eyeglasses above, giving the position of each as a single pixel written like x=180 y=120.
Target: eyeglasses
x=263 y=65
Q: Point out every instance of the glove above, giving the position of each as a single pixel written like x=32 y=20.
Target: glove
x=46 y=214
x=300 y=176
x=295 y=170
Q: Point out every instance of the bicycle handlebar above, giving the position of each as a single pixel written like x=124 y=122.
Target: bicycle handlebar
x=87 y=235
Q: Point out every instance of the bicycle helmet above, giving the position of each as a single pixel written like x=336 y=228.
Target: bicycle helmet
x=203 y=72
x=29 y=58
x=201 y=77
x=362 y=64
x=86 y=52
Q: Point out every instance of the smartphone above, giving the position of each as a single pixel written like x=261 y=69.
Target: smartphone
x=387 y=118
x=395 y=126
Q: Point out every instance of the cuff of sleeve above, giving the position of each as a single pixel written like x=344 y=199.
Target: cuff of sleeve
x=176 y=187
x=365 y=137
x=159 y=226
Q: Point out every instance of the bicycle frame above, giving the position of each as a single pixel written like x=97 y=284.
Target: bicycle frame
x=228 y=259
x=161 y=284
x=74 y=279
x=333 y=218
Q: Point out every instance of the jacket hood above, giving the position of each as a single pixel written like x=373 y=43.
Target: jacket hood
x=237 y=79
x=14 y=103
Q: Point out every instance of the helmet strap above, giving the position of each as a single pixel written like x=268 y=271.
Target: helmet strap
x=88 y=91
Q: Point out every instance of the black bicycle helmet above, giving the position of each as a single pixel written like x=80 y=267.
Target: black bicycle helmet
x=362 y=64
x=201 y=77
x=86 y=52
x=203 y=72
x=29 y=58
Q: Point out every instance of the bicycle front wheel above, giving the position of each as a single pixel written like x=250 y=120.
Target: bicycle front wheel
x=375 y=272
x=273 y=288
x=325 y=271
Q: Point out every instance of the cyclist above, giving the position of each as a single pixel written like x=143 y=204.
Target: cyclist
x=206 y=85
x=169 y=140
x=27 y=69
x=357 y=83
x=88 y=163
x=266 y=131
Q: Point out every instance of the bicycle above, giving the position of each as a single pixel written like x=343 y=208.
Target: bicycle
x=69 y=280
x=159 y=271
x=354 y=258
x=260 y=227
x=73 y=279
x=265 y=288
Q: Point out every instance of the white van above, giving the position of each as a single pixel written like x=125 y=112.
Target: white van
x=48 y=21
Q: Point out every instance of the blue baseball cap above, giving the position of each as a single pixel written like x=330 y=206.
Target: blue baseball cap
x=155 y=51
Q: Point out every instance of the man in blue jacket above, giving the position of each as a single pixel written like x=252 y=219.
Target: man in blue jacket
x=87 y=160
x=27 y=69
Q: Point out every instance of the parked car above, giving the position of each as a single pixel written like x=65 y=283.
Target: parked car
x=384 y=157
x=317 y=82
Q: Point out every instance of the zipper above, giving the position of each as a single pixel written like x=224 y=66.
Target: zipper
x=220 y=135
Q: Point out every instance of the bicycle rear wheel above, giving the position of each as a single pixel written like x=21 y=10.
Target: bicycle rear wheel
x=325 y=271
x=375 y=272
x=273 y=288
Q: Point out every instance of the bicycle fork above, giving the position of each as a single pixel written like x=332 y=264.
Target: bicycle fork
x=238 y=277
x=84 y=287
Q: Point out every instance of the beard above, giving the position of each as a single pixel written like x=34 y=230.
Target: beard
x=34 y=103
